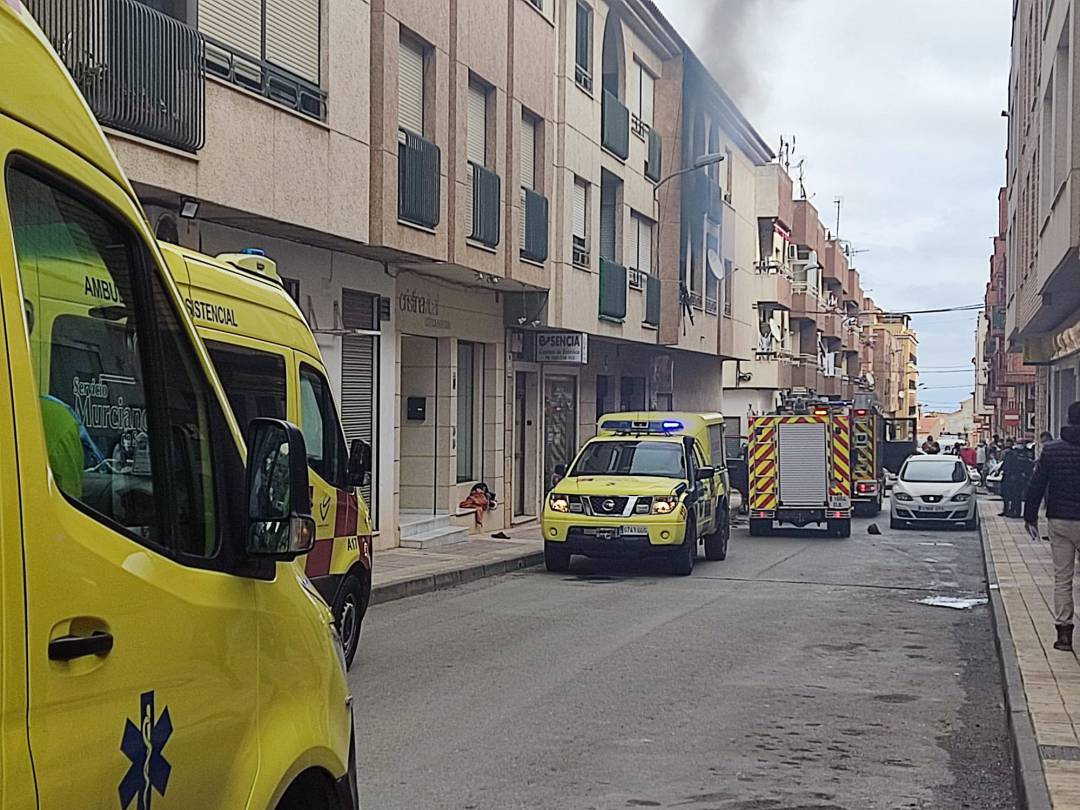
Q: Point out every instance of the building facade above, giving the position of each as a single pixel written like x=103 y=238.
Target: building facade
x=1041 y=295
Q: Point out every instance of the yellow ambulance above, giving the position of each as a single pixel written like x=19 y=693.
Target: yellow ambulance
x=649 y=484
x=269 y=363
x=158 y=646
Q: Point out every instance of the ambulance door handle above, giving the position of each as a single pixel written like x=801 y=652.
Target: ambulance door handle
x=67 y=648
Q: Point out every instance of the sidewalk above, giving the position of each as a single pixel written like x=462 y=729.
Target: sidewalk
x=1042 y=684
x=404 y=572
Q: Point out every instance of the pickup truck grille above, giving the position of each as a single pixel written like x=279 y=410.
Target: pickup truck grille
x=607 y=504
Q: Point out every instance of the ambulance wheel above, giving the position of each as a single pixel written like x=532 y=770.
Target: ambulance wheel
x=760 y=527
x=682 y=562
x=716 y=543
x=350 y=604
x=840 y=528
x=556 y=558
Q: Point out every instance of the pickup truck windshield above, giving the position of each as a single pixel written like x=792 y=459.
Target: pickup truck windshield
x=632 y=457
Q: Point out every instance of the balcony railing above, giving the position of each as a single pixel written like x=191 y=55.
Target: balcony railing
x=419 y=164
x=141 y=71
x=712 y=305
x=265 y=79
x=534 y=242
x=615 y=126
x=612 y=291
x=652 y=300
x=654 y=162
x=486 y=191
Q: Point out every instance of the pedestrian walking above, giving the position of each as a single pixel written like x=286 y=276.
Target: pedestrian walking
x=1057 y=479
x=1016 y=470
x=980 y=461
x=1044 y=439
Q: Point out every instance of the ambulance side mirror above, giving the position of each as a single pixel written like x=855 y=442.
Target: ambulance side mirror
x=280 y=525
x=358 y=472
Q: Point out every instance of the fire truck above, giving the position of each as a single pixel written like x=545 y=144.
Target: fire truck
x=879 y=443
x=800 y=466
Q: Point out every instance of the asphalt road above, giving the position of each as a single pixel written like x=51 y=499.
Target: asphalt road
x=800 y=674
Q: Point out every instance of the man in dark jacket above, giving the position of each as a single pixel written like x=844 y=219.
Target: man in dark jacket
x=1057 y=477
x=1016 y=470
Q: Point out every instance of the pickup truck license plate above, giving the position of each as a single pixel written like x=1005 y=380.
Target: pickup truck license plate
x=635 y=531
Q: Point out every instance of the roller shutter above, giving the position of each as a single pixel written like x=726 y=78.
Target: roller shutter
x=359 y=375
x=528 y=152
x=411 y=87
x=292 y=36
x=477 y=124
x=645 y=103
x=581 y=206
x=607 y=222
x=803 y=464
x=235 y=22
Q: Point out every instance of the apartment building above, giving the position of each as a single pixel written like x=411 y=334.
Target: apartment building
x=1010 y=390
x=1042 y=293
x=896 y=362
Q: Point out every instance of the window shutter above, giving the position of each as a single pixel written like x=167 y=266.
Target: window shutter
x=528 y=152
x=645 y=111
x=607 y=226
x=581 y=193
x=644 y=251
x=411 y=87
x=476 y=148
x=235 y=22
x=292 y=36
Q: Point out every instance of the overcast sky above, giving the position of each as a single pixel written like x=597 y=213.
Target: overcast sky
x=896 y=108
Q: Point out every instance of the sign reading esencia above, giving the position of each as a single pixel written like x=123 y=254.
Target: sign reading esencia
x=562 y=347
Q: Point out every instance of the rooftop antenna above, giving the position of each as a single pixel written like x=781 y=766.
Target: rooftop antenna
x=800 y=167
x=839 y=201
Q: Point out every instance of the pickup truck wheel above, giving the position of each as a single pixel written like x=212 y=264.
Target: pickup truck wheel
x=349 y=607
x=556 y=558
x=716 y=544
x=682 y=563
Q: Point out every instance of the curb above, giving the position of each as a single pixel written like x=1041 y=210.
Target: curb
x=451 y=579
x=1031 y=787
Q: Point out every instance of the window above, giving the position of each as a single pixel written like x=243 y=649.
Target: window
x=641 y=260
x=476 y=135
x=127 y=444
x=632 y=394
x=469 y=368
x=326 y=451
x=254 y=381
x=292 y=288
x=609 y=216
x=643 y=104
x=284 y=32
x=529 y=125
x=729 y=287
x=583 y=47
x=411 y=77
x=581 y=222
x=716 y=445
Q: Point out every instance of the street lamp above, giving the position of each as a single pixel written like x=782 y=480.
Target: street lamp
x=700 y=162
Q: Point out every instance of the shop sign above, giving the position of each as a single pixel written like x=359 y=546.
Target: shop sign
x=562 y=347
x=422 y=305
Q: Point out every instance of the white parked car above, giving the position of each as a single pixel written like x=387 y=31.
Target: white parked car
x=934 y=489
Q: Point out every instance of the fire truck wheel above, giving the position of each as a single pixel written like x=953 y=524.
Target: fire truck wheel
x=760 y=527
x=682 y=562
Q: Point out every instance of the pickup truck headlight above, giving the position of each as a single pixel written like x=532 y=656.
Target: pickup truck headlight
x=559 y=503
x=664 y=506
x=961 y=497
x=902 y=496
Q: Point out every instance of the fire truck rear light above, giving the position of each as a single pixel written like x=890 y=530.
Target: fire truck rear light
x=762 y=514
x=864 y=488
x=860 y=412
x=838 y=514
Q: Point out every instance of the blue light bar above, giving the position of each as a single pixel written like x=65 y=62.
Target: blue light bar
x=253 y=251
x=671 y=425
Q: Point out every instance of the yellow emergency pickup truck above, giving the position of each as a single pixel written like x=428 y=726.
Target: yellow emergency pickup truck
x=650 y=484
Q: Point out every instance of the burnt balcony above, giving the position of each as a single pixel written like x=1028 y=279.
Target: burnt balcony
x=141 y=71
x=419 y=163
x=534 y=228
x=612 y=291
x=485 y=190
x=614 y=126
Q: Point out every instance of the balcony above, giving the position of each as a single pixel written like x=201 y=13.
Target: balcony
x=774 y=285
x=483 y=199
x=806 y=373
x=654 y=162
x=534 y=236
x=652 y=301
x=615 y=126
x=140 y=71
x=419 y=164
x=830 y=324
x=804 y=303
x=612 y=291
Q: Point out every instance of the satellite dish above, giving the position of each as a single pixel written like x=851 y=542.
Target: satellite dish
x=716 y=265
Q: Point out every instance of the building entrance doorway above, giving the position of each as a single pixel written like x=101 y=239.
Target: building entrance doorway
x=526 y=396
x=560 y=425
x=418 y=419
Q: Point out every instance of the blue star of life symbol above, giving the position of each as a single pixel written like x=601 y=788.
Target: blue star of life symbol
x=143 y=745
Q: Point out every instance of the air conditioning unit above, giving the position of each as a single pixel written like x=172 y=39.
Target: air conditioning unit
x=792 y=252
